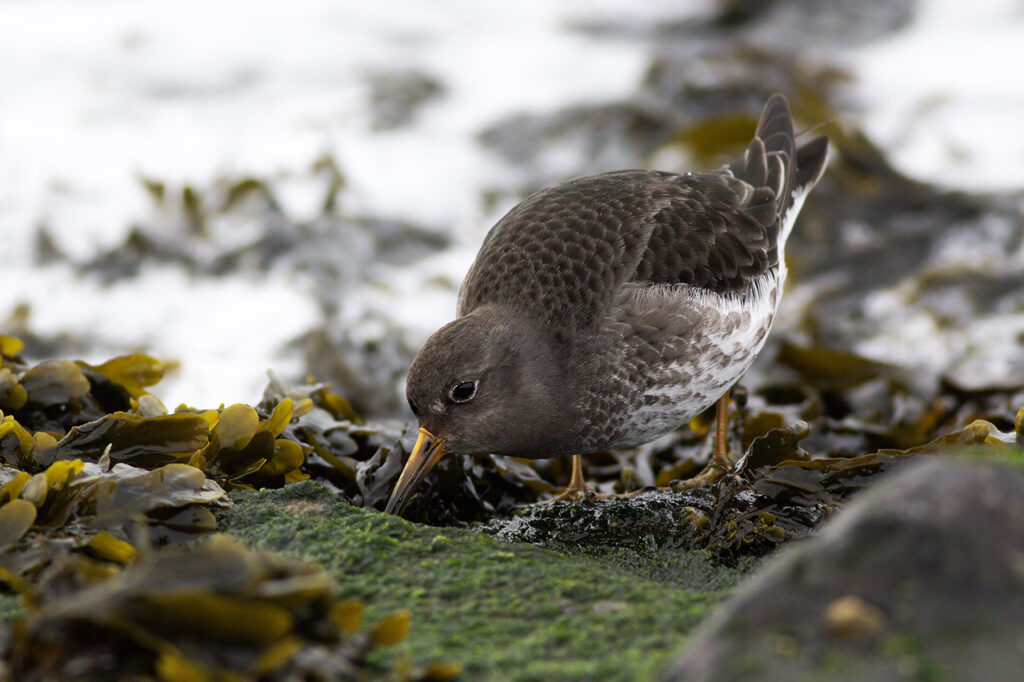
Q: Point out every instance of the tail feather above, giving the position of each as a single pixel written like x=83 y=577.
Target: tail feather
x=755 y=164
x=779 y=174
x=811 y=159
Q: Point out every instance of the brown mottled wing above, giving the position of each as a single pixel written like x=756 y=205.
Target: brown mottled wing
x=563 y=253
x=723 y=227
x=704 y=238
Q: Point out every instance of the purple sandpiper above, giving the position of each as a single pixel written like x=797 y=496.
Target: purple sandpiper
x=606 y=311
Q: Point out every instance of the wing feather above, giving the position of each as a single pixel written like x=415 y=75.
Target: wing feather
x=564 y=253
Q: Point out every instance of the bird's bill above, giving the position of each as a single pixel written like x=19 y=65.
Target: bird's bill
x=428 y=451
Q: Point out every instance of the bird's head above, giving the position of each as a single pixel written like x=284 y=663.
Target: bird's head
x=486 y=383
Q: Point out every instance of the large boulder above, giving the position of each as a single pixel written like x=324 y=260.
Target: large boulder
x=921 y=577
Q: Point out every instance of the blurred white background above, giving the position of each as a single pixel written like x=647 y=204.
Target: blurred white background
x=96 y=95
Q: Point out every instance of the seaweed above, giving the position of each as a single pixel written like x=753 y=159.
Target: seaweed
x=95 y=476
x=776 y=493
x=196 y=228
x=93 y=468
x=61 y=410
x=215 y=612
x=362 y=461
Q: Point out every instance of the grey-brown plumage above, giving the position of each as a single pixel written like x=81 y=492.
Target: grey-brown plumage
x=608 y=310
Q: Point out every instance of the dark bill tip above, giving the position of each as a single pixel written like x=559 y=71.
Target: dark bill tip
x=428 y=451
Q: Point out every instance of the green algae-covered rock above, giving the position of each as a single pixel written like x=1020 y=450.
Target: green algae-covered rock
x=504 y=611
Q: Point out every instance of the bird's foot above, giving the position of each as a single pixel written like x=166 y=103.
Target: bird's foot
x=720 y=463
x=577 y=488
x=571 y=494
x=711 y=473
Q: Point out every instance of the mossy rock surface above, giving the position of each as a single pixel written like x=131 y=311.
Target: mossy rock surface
x=918 y=578
x=503 y=610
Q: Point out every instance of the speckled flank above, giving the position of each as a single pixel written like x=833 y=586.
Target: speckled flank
x=669 y=354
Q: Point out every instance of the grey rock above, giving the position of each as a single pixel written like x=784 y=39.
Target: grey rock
x=921 y=577
x=396 y=96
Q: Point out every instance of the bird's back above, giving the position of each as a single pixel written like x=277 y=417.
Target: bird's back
x=565 y=253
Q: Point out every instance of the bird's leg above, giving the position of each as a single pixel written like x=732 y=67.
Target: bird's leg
x=721 y=454
x=715 y=469
x=719 y=464
x=576 y=482
x=577 y=488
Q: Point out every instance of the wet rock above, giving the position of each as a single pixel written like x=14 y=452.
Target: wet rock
x=776 y=24
x=396 y=96
x=776 y=493
x=920 y=575
x=653 y=520
x=813 y=23
x=367 y=370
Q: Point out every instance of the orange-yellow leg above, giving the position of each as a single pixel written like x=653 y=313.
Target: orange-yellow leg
x=577 y=488
x=719 y=464
x=715 y=469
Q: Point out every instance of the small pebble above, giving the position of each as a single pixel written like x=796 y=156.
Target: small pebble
x=852 y=618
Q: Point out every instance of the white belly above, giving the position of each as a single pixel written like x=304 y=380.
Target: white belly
x=719 y=338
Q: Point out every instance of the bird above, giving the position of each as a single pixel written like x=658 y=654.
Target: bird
x=611 y=309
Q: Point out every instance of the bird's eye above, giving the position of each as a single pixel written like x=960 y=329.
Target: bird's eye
x=462 y=392
x=414 y=407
